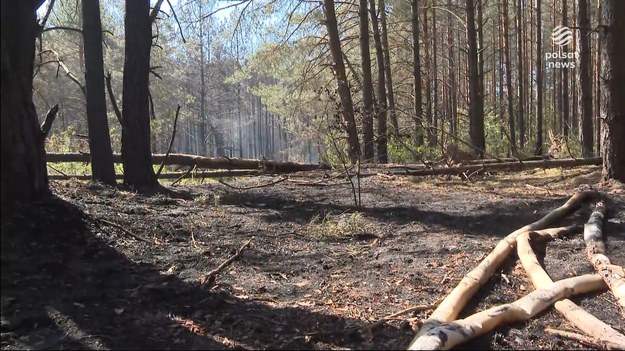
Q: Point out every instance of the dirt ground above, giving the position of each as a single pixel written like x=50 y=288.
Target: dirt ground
x=76 y=272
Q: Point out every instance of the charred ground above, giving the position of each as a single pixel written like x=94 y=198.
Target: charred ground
x=74 y=277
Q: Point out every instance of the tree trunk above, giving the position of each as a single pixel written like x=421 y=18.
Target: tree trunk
x=506 y=53
x=367 y=85
x=416 y=74
x=453 y=102
x=585 y=83
x=613 y=84
x=387 y=67
x=382 y=140
x=476 y=97
x=138 y=171
x=566 y=115
x=538 y=150
x=23 y=172
x=102 y=169
x=347 y=106
x=519 y=41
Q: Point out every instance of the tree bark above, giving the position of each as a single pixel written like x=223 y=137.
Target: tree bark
x=23 y=171
x=506 y=53
x=137 y=156
x=476 y=97
x=367 y=84
x=347 y=106
x=585 y=83
x=102 y=169
x=613 y=84
x=382 y=140
x=566 y=115
x=519 y=41
x=538 y=150
x=416 y=74
x=390 y=94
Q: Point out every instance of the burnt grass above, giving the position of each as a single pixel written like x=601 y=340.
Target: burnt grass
x=74 y=275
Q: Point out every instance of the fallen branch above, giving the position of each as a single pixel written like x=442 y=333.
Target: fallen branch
x=419 y=308
x=46 y=126
x=212 y=275
x=504 y=166
x=447 y=335
x=613 y=275
x=171 y=141
x=266 y=166
x=451 y=306
x=178 y=176
x=585 y=340
x=581 y=319
x=138 y=237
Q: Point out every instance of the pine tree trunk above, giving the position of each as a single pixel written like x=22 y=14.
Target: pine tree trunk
x=390 y=94
x=102 y=169
x=347 y=106
x=23 y=172
x=416 y=74
x=566 y=115
x=367 y=84
x=538 y=150
x=519 y=38
x=506 y=52
x=382 y=140
x=613 y=86
x=136 y=153
x=585 y=83
x=476 y=97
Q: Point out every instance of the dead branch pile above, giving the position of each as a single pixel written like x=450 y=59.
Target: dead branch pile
x=442 y=331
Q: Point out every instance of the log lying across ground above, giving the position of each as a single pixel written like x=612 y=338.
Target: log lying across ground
x=172 y=175
x=505 y=166
x=613 y=275
x=202 y=162
x=451 y=306
x=600 y=332
x=444 y=336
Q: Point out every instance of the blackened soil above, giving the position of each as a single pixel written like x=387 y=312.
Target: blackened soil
x=103 y=268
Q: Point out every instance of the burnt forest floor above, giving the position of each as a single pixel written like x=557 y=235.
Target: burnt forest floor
x=105 y=268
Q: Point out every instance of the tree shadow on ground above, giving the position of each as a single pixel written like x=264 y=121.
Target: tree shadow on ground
x=65 y=286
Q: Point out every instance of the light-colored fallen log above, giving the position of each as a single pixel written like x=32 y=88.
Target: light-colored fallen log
x=585 y=340
x=202 y=162
x=449 y=309
x=581 y=319
x=506 y=166
x=447 y=335
x=171 y=175
x=613 y=275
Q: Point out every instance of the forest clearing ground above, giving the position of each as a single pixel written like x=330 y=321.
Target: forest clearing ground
x=315 y=267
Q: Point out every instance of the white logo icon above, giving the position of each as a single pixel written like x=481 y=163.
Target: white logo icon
x=562 y=35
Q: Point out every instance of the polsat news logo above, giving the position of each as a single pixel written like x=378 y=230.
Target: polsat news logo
x=562 y=36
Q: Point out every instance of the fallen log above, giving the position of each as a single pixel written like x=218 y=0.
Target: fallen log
x=506 y=166
x=584 y=321
x=449 y=309
x=202 y=162
x=447 y=335
x=172 y=175
x=613 y=275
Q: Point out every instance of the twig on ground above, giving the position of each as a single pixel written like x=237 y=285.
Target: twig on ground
x=211 y=276
x=138 y=237
x=583 y=339
x=419 y=308
x=183 y=176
